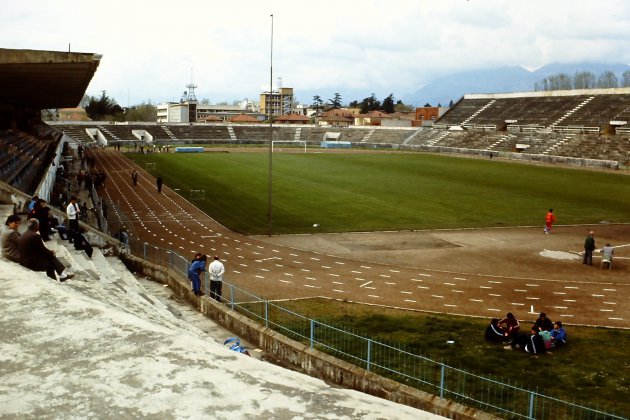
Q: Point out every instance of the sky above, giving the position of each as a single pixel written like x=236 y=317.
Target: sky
x=152 y=49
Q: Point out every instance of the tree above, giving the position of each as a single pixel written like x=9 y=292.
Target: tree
x=625 y=79
x=427 y=105
x=583 y=80
x=142 y=112
x=450 y=104
x=388 y=104
x=317 y=103
x=402 y=107
x=104 y=109
x=607 y=80
x=336 y=101
x=370 y=104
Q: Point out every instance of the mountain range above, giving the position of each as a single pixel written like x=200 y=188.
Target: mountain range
x=500 y=80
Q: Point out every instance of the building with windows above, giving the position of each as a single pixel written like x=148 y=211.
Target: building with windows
x=192 y=111
x=277 y=102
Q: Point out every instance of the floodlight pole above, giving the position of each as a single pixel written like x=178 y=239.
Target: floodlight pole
x=270 y=109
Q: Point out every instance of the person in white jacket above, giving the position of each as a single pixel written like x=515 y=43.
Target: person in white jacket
x=72 y=211
x=216 y=270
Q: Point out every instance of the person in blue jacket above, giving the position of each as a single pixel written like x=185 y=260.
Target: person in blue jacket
x=558 y=335
x=195 y=273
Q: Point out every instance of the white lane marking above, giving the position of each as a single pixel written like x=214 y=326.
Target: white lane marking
x=311 y=278
x=340 y=263
x=359 y=278
x=450 y=306
x=365 y=284
x=485 y=287
x=559 y=293
x=242 y=265
x=409 y=300
x=274 y=250
x=423 y=287
x=417 y=280
x=459 y=278
x=449 y=284
x=394 y=271
x=374 y=296
x=384 y=275
x=606 y=310
x=333 y=274
x=237 y=272
x=494 y=310
x=286 y=281
x=532 y=298
x=568 y=300
x=494 y=282
x=267 y=259
x=338 y=282
x=338 y=291
x=264 y=269
x=305 y=269
x=520 y=290
x=598 y=295
x=366 y=266
x=424 y=275
x=518 y=304
x=616 y=319
x=297 y=262
x=437 y=296
x=390 y=283
x=311 y=286
x=370 y=287
x=288 y=274
x=259 y=277
x=355 y=272
x=476 y=300
x=570 y=287
x=609 y=303
x=405 y=292
x=457 y=291
x=566 y=315
x=326 y=267
x=314 y=259
x=494 y=294
x=609 y=290
x=531 y=285
x=560 y=307
x=293 y=255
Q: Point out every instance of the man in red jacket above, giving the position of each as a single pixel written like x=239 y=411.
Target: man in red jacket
x=549 y=220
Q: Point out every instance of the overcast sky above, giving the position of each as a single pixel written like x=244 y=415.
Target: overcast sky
x=150 y=48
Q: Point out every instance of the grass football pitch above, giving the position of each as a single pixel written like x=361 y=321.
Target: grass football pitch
x=388 y=191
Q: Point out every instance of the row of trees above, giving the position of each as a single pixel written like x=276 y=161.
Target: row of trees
x=105 y=108
x=388 y=105
x=583 y=80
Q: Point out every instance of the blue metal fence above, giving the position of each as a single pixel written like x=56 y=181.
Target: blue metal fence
x=486 y=393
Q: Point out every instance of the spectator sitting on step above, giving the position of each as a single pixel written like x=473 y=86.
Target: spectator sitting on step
x=11 y=238
x=35 y=256
x=81 y=243
x=543 y=323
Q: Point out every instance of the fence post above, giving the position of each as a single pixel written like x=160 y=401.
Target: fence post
x=170 y=258
x=144 y=251
x=442 y=374
x=312 y=333
x=369 y=354
x=531 y=405
x=232 y=296
x=266 y=313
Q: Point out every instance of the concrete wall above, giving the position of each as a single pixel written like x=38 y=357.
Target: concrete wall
x=300 y=356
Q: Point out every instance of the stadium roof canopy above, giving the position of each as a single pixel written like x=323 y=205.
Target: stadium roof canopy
x=45 y=79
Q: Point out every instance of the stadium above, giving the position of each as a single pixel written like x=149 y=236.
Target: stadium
x=440 y=259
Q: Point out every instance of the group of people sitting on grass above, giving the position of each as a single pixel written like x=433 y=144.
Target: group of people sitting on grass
x=543 y=335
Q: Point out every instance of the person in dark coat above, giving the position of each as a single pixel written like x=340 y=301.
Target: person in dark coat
x=532 y=344
x=543 y=323
x=35 y=256
x=589 y=247
x=81 y=243
x=494 y=332
x=159 y=182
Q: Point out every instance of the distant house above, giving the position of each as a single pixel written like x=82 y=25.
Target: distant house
x=337 y=118
x=293 y=119
x=428 y=114
x=211 y=118
x=72 y=114
x=243 y=118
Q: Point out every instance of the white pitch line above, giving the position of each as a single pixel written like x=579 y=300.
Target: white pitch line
x=365 y=284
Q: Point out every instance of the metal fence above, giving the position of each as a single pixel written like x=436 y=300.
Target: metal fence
x=389 y=360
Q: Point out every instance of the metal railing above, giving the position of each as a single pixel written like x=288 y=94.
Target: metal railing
x=389 y=360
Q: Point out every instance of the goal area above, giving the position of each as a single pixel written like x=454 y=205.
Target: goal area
x=290 y=142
